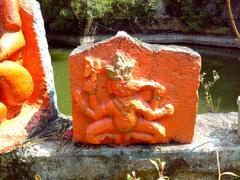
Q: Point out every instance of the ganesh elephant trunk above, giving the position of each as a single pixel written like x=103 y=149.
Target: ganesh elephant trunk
x=16 y=83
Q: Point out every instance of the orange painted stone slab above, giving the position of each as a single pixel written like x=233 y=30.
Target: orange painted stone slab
x=27 y=96
x=126 y=92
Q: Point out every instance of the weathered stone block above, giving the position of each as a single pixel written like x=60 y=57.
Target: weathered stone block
x=163 y=82
x=27 y=61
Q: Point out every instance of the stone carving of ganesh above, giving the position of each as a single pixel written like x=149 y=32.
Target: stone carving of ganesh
x=127 y=117
x=16 y=84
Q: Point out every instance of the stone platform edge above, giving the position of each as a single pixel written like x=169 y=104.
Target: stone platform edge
x=215 y=132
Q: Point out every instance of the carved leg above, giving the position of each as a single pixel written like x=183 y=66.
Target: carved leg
x=147 y=131
x=100 y=130
x=139 y=137
x=3 y=112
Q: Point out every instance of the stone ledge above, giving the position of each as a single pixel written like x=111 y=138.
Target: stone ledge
x=162 y=38
x=214 y=132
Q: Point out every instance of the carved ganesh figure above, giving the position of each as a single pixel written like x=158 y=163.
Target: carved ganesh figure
x=126 y=92
x=133 y=112
x=16 y=84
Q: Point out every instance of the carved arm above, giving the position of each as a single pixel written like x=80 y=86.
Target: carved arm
x=96 y=114
x=150 y=114
x=157 y=88
x=10 y=43
x=12 y=39
x=90 y=88
x=11 y=16
x=157 y=97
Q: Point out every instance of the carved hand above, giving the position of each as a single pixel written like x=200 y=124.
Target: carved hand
x=169 y=108
x=79 y=99
x=89 y=86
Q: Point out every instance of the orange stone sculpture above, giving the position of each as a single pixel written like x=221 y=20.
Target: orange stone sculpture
x=24 y=96
x=124 y=92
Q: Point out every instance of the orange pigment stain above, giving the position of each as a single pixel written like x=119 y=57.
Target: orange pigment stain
x=157 y=105
x=22 y=86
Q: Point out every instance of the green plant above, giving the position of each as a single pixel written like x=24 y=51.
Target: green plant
x=160 y=166
x=196 y=15
x=61 y=15
x=207 y=95
x=133 y=176
x=224 y=173
x=89 y=16
x=81 y=16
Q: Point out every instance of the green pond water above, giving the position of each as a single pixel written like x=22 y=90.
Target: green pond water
x=224 y=92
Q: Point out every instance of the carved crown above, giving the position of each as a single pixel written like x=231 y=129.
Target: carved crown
x=121 y=68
